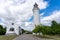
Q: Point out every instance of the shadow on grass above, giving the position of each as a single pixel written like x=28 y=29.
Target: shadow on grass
x=4 y=37
x=44 y=36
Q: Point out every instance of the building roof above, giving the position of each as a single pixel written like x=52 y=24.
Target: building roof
x=35 y=5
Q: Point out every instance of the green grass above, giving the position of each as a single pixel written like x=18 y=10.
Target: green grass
x=54 y=37
x=44 y=37
x=4 y=37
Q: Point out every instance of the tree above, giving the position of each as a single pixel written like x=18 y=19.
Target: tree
x=50 y=30
x=2 y=30
x=54 y=24
x=37 y=29
x=1 y=27
x=55 y=27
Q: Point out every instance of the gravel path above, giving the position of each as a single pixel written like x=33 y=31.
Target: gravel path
x=29 y=37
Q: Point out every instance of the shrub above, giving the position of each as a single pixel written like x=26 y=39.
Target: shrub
x=50 y=30
x=46 y=30
x=38 y=29
x=28 y=32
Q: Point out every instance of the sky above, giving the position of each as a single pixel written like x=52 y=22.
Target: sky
x=20 y=12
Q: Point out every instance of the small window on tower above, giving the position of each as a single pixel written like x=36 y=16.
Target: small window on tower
x=12 y=23
x=11 y=29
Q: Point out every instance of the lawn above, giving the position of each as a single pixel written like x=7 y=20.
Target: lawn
x=54 y=37
x=4 y=37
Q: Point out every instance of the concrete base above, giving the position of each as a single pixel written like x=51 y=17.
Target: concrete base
x=10 y=34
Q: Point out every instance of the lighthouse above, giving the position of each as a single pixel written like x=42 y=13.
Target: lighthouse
x=36 y=15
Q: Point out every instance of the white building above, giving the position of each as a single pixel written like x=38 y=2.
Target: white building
x=36 y=15
x=14 y=29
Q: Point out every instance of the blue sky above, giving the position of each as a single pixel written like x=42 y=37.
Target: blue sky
x=52 y=6
x=20 y=12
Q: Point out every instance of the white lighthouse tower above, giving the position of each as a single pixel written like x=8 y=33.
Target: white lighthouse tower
x=36 y=15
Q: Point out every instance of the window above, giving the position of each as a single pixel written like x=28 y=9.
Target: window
x=11 y=29
x=12 y=23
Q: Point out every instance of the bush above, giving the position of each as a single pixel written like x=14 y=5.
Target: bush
x=46 y=30
x=28 y=32
x=49 y=30
x=38 y=29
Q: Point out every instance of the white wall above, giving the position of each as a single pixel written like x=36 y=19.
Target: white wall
x=36 y=18
x=16 y=29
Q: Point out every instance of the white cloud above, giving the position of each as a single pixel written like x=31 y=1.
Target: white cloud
x=18 y=10
x=54 y=16
x=28 y=26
